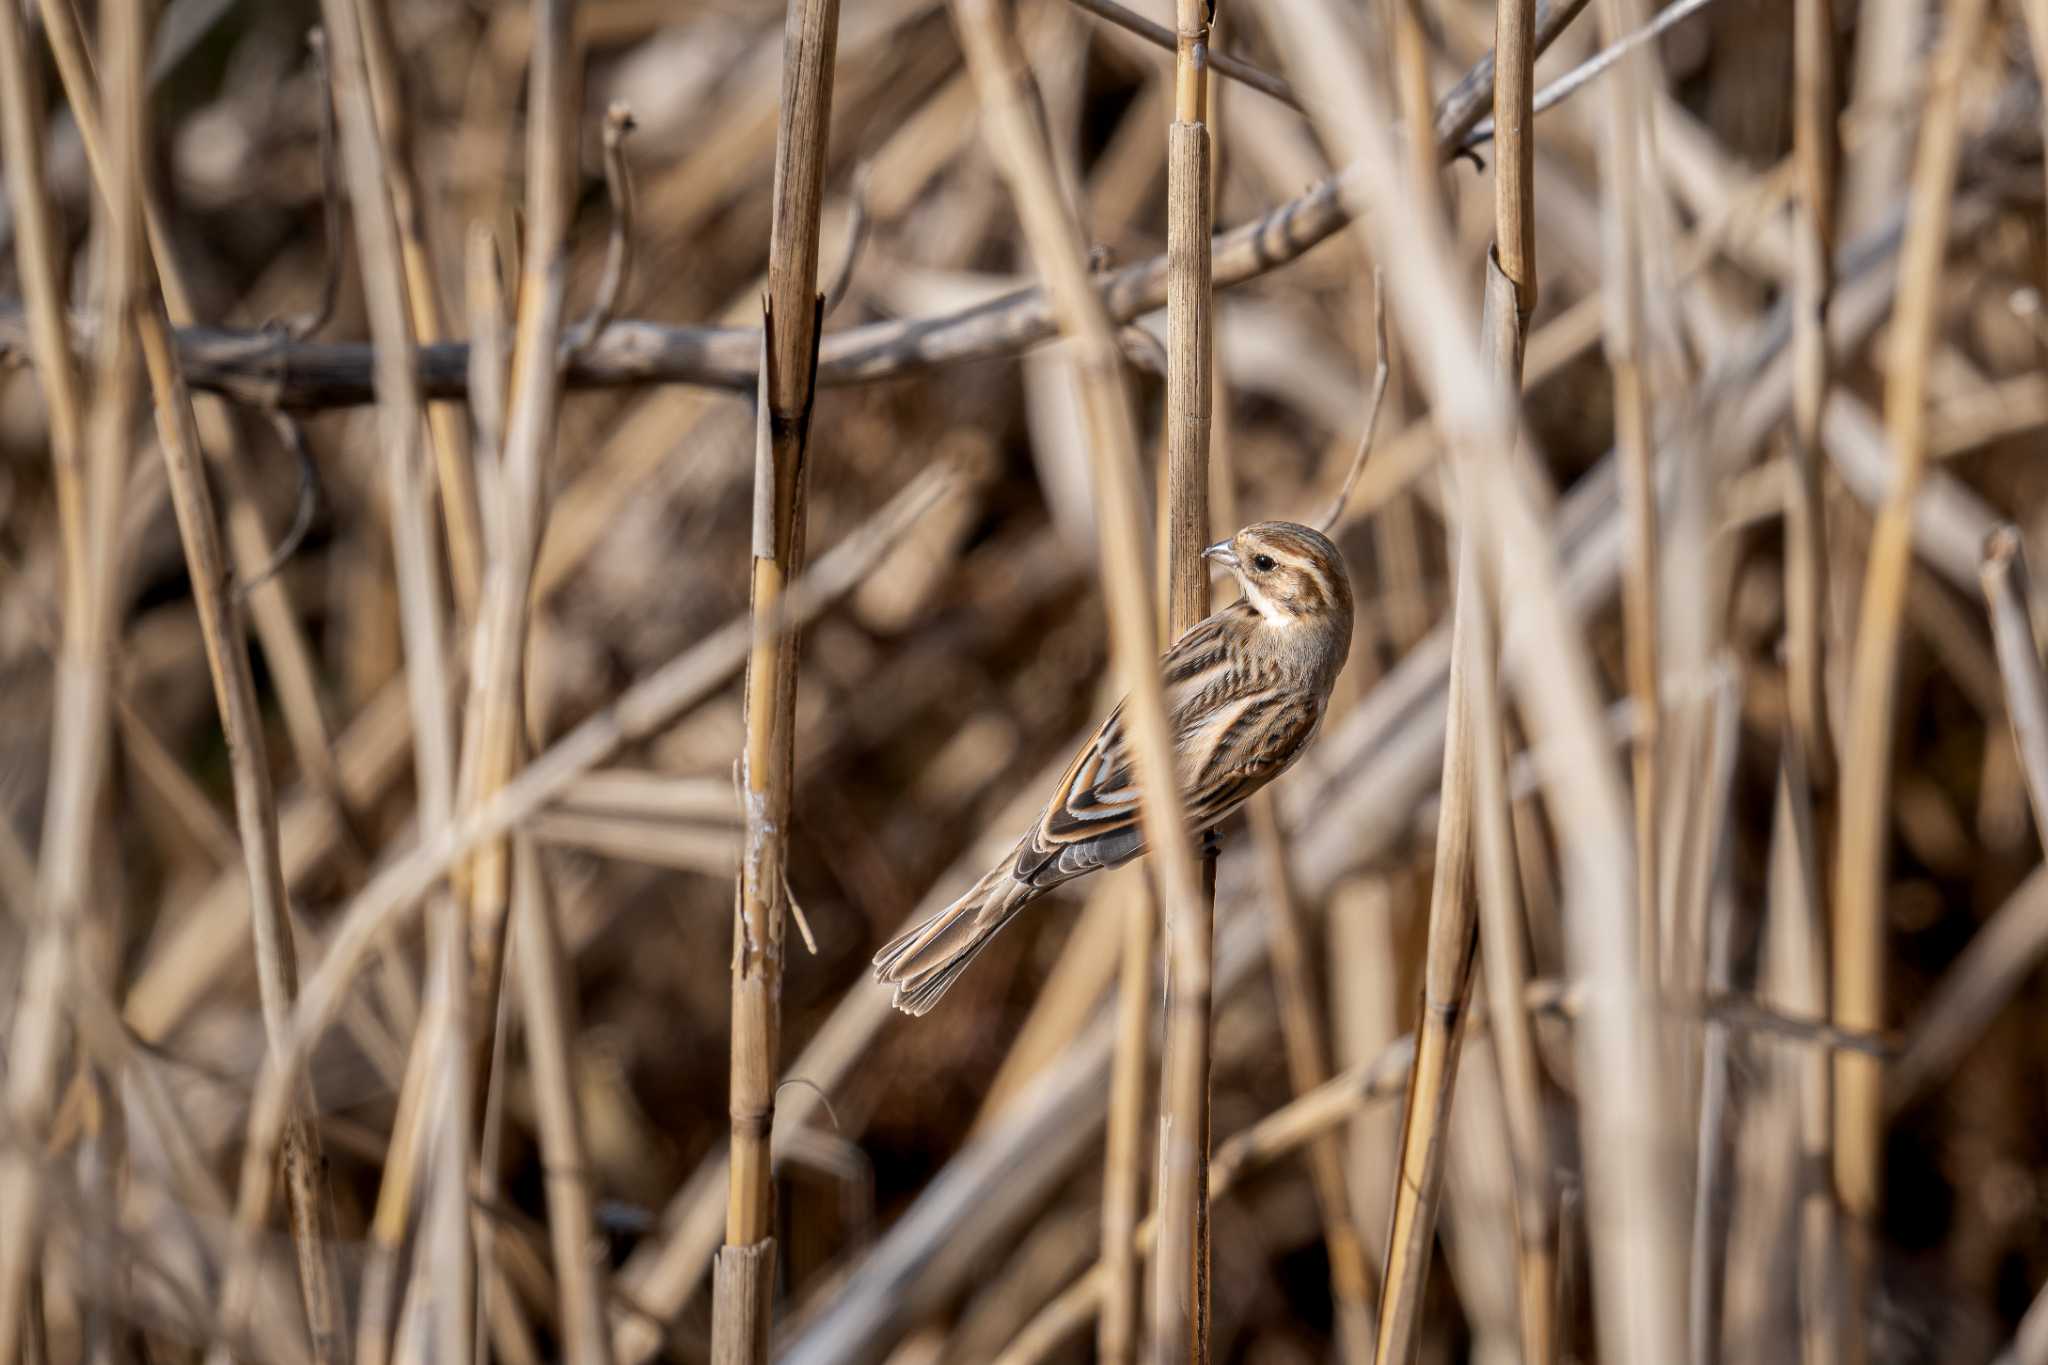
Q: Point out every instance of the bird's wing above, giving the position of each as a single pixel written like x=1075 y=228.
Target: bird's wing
x=1229 y=740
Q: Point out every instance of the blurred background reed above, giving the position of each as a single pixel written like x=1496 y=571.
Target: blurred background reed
x=493 y=692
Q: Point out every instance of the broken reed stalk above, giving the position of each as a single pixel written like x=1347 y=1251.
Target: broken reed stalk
x=1859 y=942
x=1816 y=150
x=1511 y=292
x=453 y=467
x=89 y=464
x=2006 y=594
x=1180 y=1274
x=1629 y=1183
x=791 y=319
x=1452 y=932
x=1621 y=173
x=545 y=983
x=493 y=729
x=1025 y=162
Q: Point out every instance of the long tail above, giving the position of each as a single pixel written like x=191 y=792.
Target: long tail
x=922 y=963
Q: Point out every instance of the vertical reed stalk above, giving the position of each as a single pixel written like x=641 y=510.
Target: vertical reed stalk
x=1817 y=156
x=791 y=317
x=546 y=999
x=1510 y=299
x=1447 y=966
x=227 y=657
x=493 y=732
x=1180 y=1273
x=423 y=628
x=1859 y=961
x=1014 y=134
x=453 y=467
x=88 y=463
x=1123 y=1157
x=1621 y=175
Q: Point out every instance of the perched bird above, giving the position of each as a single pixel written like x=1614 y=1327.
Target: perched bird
x=1245 y=691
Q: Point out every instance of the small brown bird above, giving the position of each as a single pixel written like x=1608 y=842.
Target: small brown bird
x=1245 y=691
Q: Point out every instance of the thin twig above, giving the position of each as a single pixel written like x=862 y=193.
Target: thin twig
x=618 y=247
x=301 y=328
x=858 y=223
x=1372 y=405
x=249 y=366
x=1222 y=63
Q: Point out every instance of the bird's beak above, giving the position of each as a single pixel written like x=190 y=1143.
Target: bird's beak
x=1222 y=554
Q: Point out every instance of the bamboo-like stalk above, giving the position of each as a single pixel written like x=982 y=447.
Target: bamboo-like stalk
x=88 y=462
x=1510 y=300
x=547 y=1002
x=1180 y=1274
x=791 y=319
x=1621 y=163
x=1859 y=956
x=2006 y=595
x=1816 y=152
x=1057 y=246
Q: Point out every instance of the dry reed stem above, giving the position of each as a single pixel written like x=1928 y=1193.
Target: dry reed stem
x=256 y=368
x=1858 y=920
x=792 y=317
x=1308 y=1066
x=1635 y=1251
x=493 y=733
x=2006 y=594
x=1060 y=253
x=547 y=1003
x=452 y=462
x=66 y=944
x=380 y=907
x=1511 y=293
x=227 y=657
x=285 y=648
x=1123 y=1151
x=1625 y=108
x=1452 y=931
x=1817 y=154
x=1446 y=991
x=1180 y=1274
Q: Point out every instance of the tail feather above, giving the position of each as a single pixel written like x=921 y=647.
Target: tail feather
x=923 y=962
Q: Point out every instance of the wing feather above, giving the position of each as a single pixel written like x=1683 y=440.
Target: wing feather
x=1232 y=733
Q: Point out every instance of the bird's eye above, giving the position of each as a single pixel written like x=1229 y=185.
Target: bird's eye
x=1263 y=563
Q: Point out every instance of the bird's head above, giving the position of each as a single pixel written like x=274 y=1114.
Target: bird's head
x=1291 y=573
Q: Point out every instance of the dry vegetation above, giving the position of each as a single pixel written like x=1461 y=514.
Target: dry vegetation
x=444 y=785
